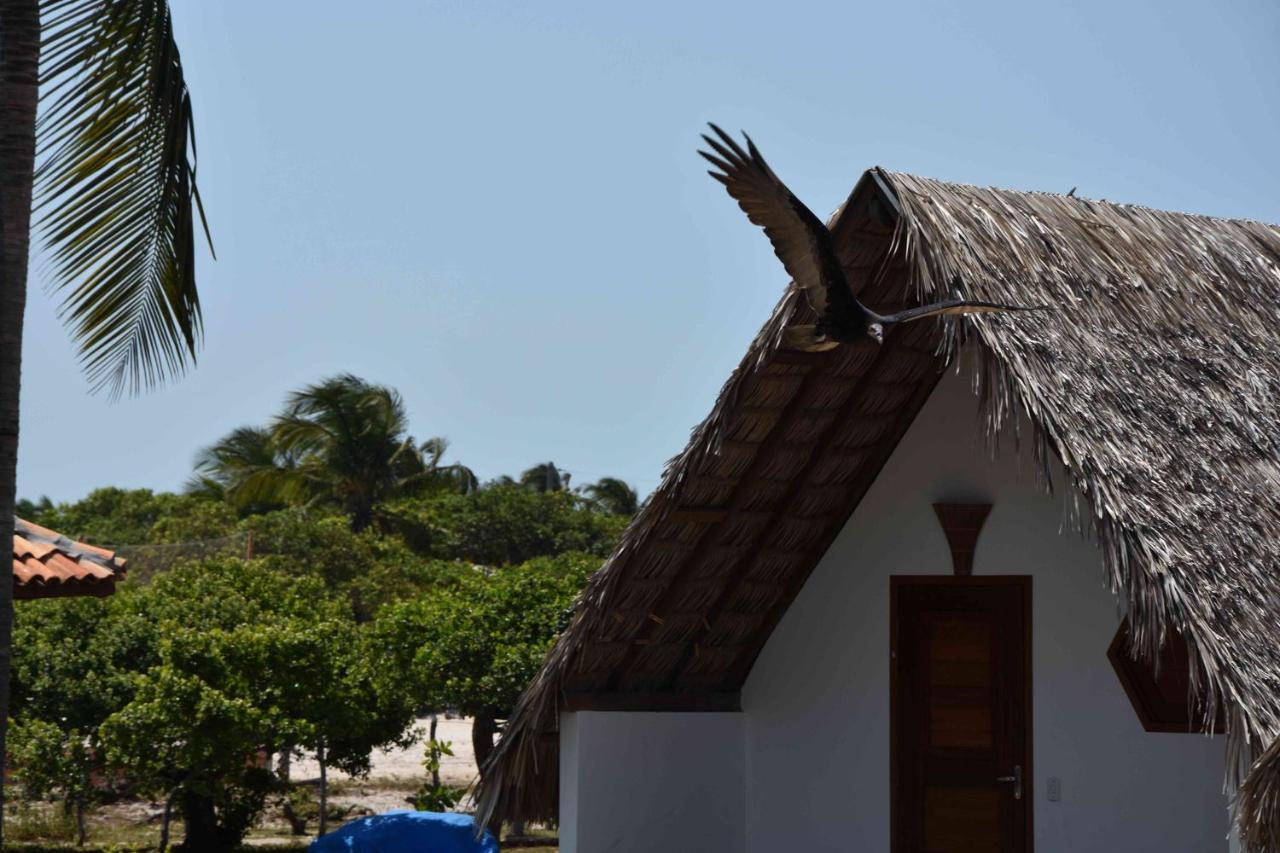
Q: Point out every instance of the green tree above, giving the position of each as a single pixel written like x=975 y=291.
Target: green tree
x=76 y=663
x=195 y=744
x=77 y=658
x=248 y=659
x=132 y=521
x=369 y=569
x=613 y=496
x=53 y=761
x=118 y=202
x=342 y=442
x=507 y=524
x=476 y=645
x=114 y=516
x=195 y=521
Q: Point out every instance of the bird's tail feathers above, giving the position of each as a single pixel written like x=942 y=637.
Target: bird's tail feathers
x=806 y=339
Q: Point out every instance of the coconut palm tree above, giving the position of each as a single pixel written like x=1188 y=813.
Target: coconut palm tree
x=613 y=496
x=457 y=476
x=117 y=204
x=350 y=440
x=341 y=442
x=545 y=477
x=241 y=469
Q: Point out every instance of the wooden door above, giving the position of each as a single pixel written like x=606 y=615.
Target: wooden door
x=960 y=757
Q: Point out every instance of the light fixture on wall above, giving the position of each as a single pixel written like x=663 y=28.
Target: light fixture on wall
x=962 y=523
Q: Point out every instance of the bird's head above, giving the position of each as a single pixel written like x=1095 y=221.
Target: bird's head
x=875 y=331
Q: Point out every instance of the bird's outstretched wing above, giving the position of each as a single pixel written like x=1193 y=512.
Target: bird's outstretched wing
x=799 y=238
x=953 y=306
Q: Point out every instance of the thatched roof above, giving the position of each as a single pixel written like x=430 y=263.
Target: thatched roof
x=1154 y=379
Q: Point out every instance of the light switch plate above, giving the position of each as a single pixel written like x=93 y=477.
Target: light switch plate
x=1055 y=789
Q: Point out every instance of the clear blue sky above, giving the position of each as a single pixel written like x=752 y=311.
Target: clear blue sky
x=497 y=209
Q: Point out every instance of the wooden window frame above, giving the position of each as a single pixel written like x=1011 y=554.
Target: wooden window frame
x=1154 y=711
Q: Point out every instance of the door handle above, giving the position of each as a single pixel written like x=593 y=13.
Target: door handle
x=1015 y=780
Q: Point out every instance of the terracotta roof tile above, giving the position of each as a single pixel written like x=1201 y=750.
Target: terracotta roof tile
x=47 y=564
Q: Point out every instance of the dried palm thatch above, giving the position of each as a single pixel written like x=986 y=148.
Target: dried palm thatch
x=1155 y=380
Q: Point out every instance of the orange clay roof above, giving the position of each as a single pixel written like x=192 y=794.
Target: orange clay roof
x=47 y=564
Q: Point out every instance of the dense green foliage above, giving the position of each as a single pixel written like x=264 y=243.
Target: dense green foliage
x=112 y=516
x=178 y=684
x=258 y=623
x=75 y=658
x=249 y=659
x=476 y=645
x=507 y=524
x=368 y=569
x=56 y=761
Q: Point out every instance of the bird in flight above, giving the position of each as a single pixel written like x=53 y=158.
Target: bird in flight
x=803 y=244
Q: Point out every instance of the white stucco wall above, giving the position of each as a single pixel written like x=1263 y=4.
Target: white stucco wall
x=817 y=702
x=805 y=766
x=635 y=783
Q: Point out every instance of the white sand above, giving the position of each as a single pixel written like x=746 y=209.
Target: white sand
x=406 y=764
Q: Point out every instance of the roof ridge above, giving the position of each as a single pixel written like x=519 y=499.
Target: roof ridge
x=76 y=550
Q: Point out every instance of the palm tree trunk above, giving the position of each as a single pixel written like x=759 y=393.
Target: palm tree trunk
x=19 y=70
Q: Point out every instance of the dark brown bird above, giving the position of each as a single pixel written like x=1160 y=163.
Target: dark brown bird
x=803 y=244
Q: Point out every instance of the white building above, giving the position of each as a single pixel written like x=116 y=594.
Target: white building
x=855 y=617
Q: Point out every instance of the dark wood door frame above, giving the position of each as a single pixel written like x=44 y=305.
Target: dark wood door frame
x=896 y=583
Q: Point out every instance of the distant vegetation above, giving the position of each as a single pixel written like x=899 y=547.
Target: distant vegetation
x=324 y=578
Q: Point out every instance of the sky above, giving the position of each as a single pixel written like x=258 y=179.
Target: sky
x=496 y=208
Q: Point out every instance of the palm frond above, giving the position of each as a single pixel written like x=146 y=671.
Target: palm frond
x=302 y=435
x=613 y=496
x=116 y=190
x=433 y=450
x=343 y=410
x=545 y=477
x=249 y=470
x=465 y=480
x=240 y=450
x=423 y=465
x=456 y=479
x=292 y=486
x=203 y=487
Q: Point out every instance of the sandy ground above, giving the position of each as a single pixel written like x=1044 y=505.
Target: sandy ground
x=405 y=765
x=395 y=775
